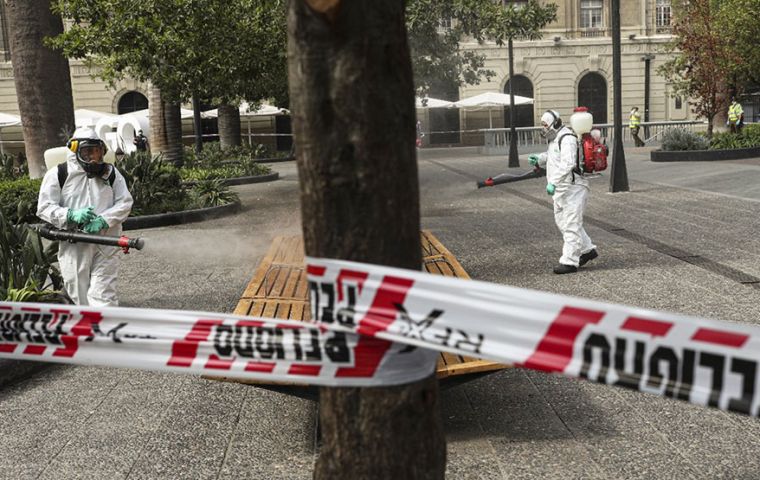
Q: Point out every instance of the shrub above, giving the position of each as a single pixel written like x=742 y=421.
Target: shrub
x=212 y=156
x=681 y=139
x=18 y=199
x=212 y=193
x=155 y=186
x=749 y=137
x=27 y=272
x=13 y=167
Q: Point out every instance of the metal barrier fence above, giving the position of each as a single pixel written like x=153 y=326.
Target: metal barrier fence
x=496 y=140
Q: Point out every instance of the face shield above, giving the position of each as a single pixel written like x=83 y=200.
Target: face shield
x=90 y=153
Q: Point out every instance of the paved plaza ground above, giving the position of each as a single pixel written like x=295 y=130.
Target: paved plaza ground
x=684 y=239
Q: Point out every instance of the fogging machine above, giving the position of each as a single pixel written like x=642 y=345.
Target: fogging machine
x=509 y=177
x=124 y=242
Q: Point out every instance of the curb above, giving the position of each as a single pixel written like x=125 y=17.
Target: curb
x=240 y=180
x=177 y=218
x=276 y=159
x=704 y=155
x=270 y=177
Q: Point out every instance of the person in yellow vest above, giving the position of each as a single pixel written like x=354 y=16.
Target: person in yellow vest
x=635 y=123
x=735 y=116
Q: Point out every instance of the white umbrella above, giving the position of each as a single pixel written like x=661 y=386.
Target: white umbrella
x=84 y=117
x=490 y=100
x=183 y=113
x=428 y=102
x=245 y=111
x=8 y=120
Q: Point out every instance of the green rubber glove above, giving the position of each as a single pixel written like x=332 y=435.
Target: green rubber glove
x=80 y=216
x=97 y=224
x=533 y=160
x=550 y=188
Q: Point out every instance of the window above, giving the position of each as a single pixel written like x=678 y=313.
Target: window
x=591 y=14
x=662 y=15
x=131 y=102
x=679 y=103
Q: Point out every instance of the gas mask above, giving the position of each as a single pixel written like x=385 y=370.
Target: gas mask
x=550 y=125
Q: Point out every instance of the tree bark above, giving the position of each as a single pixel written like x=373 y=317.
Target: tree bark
x=158 y=141
x=352 y=99
x=229 y=125
x=42 y=78
x=174 y=153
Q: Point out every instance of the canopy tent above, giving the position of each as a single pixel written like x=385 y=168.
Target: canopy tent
x=428 y=102
x=245 y=111
x=7 y=120
x=84 y=117
x=492 y=99
x=183 y=113
x=489 y=100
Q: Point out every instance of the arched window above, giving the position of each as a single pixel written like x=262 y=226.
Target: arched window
x=592 y=93
x=523 y=113
x=132 y=102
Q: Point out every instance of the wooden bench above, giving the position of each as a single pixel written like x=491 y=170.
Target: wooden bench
x=279 y=289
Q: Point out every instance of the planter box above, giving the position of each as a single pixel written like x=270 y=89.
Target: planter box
x=177 y=218
x=704 y=155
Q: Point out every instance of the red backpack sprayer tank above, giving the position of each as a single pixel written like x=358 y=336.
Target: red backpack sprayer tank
x=592 y=151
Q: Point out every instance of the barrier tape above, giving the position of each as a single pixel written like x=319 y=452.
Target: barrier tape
x=384 y=326
x=701 y=361
x=205 y=343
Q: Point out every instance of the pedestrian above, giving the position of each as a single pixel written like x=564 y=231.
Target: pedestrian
x=569 y=191
x=420 y=135
x=635 y=124
x=89 y=195
x=141 y=142
x=735 y=116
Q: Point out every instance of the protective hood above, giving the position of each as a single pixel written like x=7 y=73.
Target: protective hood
x=550 y=124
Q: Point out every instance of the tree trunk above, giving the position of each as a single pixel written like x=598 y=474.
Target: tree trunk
x=43 y=82
x=352 y=99
x=173 y=122
x=229 y=125
x=158 y=141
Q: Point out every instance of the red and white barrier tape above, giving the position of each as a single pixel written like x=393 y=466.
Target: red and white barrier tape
x=702 y=361
x=371 y=318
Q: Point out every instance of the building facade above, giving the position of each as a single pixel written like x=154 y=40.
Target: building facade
x=572 y=66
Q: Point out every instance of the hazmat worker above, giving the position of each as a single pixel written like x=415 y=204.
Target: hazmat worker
x=569 y=191
x=86 y=194
x=634 y=123
x=735 y=116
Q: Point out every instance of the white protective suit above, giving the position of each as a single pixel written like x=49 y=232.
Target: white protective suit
x=570 y=195
x=89 y=271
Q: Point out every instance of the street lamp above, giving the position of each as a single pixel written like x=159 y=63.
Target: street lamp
x=514 y=158
x=619 y=174
x=647 y=58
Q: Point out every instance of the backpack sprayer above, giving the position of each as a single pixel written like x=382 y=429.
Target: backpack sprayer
x=52 y=233
x=592 y=151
